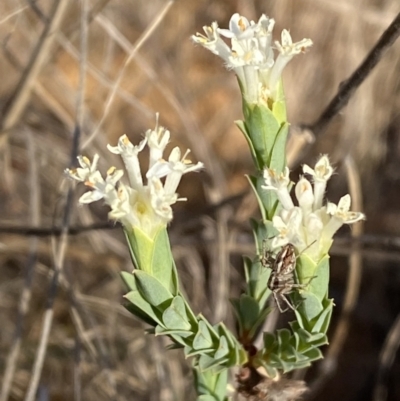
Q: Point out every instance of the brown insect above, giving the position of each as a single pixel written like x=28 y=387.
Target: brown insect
x=282 y=280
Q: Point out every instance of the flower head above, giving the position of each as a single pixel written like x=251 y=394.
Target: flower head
x=311 y=225
x=251 y=54
x=144 y=206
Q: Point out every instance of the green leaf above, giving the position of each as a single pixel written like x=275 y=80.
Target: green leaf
x=153 y=256
x=283 y=338
x=191 y=316
x=262 y=128
x=211 y=329
x=141 y=308
x=286 y=367
x=223 y=331
x=206 y=362
x=257 y=279
x=141 y=249
x=261 y=319
x=279 y=106
x=268 y=197
x=253 y=184
x=314 y=354
x=189 y=351
x=161 y=331
x=175 y=317
x=322 y=323
x=249 y=315
x=295 y=339
x=278 y=154
x=211 y=384
x=269 y=341
x=306 y=270
x=249 y=311
x=162 y=264
x=131 y=249
x=310 y=307
x=203 y=339
x=240 y=124
x=221 y=384
x=316 y=276
x=129 y=280
x=223 y=348
x=151 y=289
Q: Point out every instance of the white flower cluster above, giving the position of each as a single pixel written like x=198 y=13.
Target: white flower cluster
x=311 y=225
x=251 y=55
x=147 y=207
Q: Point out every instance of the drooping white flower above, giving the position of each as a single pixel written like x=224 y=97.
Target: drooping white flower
x=251 y=54
x=311 y=225
x=135 y=204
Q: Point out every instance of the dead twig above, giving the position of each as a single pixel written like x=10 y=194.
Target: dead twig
x=19 y=99
x=350 y=85
x=61 y=249
x=24 y=302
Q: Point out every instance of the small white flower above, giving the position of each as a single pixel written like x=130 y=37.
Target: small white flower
x=279 y=182
x=160 y=200
x=213 y=42
x=173 y=169
x=251 y=54
x=341 y=214
x=147 y=207
x=86 y=170
x=102 y=188
x=129 y=154
x=322 y=171
x=321 y=174
x=239 y=28
x=305 y=195
x=288 y=224
x=157 y=141
x=341 y=211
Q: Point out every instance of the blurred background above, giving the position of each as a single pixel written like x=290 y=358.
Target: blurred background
x=107 y=67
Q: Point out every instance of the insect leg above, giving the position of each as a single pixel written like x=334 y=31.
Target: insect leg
x=287 y=302
x=278 y=304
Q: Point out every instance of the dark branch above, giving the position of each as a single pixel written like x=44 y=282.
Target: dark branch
x=349 y=86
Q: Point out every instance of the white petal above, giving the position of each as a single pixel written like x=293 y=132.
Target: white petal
x=91 y=196
x=304 y=194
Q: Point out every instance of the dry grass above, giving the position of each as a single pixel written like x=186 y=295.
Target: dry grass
x=137 y=61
